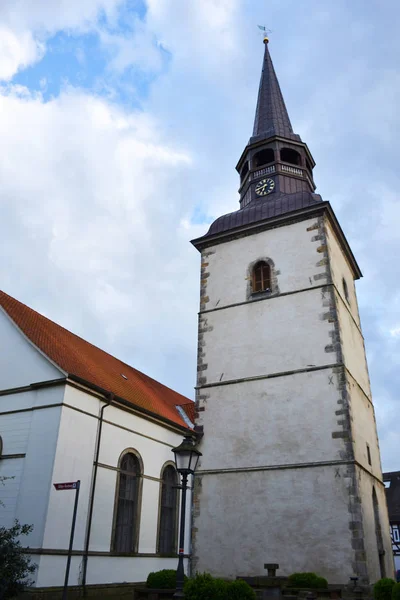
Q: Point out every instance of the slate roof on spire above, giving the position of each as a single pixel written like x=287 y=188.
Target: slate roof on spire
x=86 y=363
x=271 y=114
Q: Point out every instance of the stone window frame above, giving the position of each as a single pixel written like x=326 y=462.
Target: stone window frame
x=138 y=508
x=177 y=507
x=274 y=279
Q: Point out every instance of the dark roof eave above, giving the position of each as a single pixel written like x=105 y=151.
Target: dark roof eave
x=125 y=402
x=208 y=240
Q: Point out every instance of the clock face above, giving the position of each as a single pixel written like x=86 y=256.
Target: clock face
x=264 y=187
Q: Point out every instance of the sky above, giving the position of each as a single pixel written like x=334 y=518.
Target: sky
x=121 y=122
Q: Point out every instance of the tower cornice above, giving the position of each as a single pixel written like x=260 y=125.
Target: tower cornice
x=317 y=210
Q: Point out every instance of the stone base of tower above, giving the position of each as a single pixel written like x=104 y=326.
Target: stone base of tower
x=302 y=518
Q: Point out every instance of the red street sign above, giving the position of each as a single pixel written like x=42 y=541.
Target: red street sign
x=71 y=485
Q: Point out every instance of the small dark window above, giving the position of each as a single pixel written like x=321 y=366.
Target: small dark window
x=168 y=512
x=290 y=156
x=263 y=157
x=244 y=171
x=369 y=455
x=261 y=277
x=345 y=290
x=126 y=523
x=308 y=165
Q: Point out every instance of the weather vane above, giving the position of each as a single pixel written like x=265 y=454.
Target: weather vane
x=265 y=31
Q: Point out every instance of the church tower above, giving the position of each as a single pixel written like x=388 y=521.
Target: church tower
x=291 y=470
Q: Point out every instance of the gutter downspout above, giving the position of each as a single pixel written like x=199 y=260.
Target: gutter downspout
x=92 y=492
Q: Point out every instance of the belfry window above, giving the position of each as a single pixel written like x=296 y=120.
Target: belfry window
x=244 y=171
x=290 y=156
x=168 y=511
x=263 y=157
x=261 y=277
x=126 y=527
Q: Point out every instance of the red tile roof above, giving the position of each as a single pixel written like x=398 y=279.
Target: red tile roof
x=96 y=367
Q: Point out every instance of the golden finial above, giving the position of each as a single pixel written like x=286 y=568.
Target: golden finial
x=265 y=31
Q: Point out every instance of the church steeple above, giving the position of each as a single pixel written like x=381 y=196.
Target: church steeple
x=276 y=166
x=275 y=160
x=271 y=114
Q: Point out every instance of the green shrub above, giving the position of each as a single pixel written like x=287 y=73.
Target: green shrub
x=383 y=589
x=162 y=580
x=396 y=591
x=240 y=590
x=307 y=580
x=205 y=587
x=15 y=565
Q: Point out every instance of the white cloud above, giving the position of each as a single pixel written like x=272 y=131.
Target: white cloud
x=25 y=26
x=17 y=51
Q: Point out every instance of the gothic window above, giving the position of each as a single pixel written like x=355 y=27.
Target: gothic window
x=263 y=157
x=168 y=511
x=244 y=170
x=126 y=527
x=290 y=156
x=261 y=277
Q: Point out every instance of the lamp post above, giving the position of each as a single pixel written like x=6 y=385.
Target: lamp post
x=186 y=459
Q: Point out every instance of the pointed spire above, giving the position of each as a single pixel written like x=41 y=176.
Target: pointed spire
x=271 y=115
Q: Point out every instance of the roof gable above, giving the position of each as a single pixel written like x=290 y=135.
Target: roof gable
x=94 y=366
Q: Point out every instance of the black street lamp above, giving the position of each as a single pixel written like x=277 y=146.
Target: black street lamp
x=186 y=459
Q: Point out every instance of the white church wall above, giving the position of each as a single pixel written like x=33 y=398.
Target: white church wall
x=11 y=469
x=74 y=460
x=353 y=347
x=287 y=419
x=20 y=363
x=261 y=327
x=364 y=429
x=288 y=247
x=366 y=485
x=340 y=269
x=36 y=476
x=279 y=517
x=31 y=433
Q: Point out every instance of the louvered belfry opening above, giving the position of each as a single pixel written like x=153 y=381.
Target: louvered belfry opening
x=127 y=507
x=168 y=511
x=261 y=277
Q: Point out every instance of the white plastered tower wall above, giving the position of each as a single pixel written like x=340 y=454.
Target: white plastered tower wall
x=284 y=401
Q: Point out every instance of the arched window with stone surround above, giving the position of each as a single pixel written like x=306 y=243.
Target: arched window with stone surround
x=127 y=506
x=167 y=529
x=261 y=277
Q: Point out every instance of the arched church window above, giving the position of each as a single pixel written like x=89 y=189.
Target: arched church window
x=263 y=157
x=261 y=277
x=244 y=170
x=168 y=511
x=126 y=528
x=290 y=156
